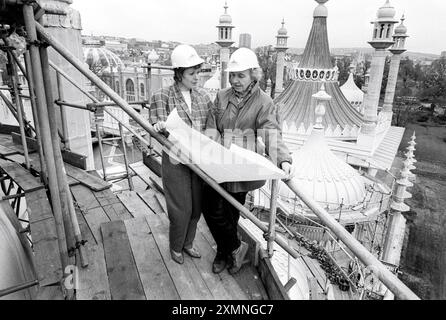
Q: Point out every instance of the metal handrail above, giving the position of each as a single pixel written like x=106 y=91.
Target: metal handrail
x=389 y=279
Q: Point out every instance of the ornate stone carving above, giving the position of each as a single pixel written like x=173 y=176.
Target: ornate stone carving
x=70 y=19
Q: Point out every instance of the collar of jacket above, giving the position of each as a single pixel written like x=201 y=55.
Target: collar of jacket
x=254 y=88
x=177 y=91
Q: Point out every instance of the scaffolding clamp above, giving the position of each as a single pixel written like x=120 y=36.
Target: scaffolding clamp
x=37 y=43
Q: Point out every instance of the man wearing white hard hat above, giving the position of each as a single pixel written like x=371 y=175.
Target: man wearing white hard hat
x=241 y=115
x=182 y=187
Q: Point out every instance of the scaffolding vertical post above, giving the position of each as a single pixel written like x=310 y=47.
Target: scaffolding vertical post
x=124 y=151
x=43 y=174
x=63 y=111
x=30 y=23
x=272 y=217
x=19 y=106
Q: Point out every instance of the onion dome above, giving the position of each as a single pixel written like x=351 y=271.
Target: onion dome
x=320 y=173
x=401 y=30
x=97 y=56
x=282 y=31
x=352 y=92
x=225 y=18
x=153 y=56
x=386 y=12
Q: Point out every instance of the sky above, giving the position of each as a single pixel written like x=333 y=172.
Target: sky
x=195 y=21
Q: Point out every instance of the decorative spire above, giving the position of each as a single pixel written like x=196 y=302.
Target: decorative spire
x=320 y=111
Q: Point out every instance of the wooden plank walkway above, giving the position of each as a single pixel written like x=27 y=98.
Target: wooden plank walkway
x=121 y=268
x=9 y=146
x=137 y=250
x=21 y=176
x=128 y=247
x=45 y=244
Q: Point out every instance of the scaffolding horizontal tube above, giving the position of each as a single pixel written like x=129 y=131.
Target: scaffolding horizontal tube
x=389 y=279
x=18 y=288
x=74 y=105
x=158 y=67
x=112 y=104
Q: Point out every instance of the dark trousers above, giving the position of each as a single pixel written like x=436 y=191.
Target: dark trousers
x=222 y=219
x=182 y=189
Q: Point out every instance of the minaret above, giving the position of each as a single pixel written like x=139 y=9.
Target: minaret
x=382 y=40
x=281 y=48
x=397 y=49
x=397 y=224
x=225 y=41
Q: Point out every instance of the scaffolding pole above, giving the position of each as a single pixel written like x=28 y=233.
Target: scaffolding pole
x=43 y=171
x=71 y=223
x=42 y=112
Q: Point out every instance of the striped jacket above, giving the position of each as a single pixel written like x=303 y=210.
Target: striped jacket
x=166 y=99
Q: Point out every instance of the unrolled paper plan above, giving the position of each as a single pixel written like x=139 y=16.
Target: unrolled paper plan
x=220 y=163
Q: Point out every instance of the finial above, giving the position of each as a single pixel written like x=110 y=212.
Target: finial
x=403 y=18
x=283 y=22
x=320 y=110
x=226 y=7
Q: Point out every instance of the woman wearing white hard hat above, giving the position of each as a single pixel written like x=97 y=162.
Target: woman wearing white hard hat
x=241 y=115
x=182 y=187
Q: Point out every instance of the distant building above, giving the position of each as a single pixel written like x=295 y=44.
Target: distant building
x=245 y=40
x=116 y=46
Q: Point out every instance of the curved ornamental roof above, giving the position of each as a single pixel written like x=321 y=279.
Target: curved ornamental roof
x=318 y=171
x=353 y=93
x=296 y=105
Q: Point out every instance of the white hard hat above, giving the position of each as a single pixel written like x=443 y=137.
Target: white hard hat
x=242 y=59
x=184 y=56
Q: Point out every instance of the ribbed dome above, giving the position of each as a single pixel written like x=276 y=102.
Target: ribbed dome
x=352 y=92
x=325 y=177
x=386 y=12
x=97 y=56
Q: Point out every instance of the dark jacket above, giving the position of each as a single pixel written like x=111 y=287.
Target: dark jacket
x=242 y=123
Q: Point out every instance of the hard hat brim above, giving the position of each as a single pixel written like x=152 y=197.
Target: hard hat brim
x=191 y=64
x=235 y=69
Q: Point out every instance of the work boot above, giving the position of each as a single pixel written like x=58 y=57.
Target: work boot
x=219 y=263
x=238 y=257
